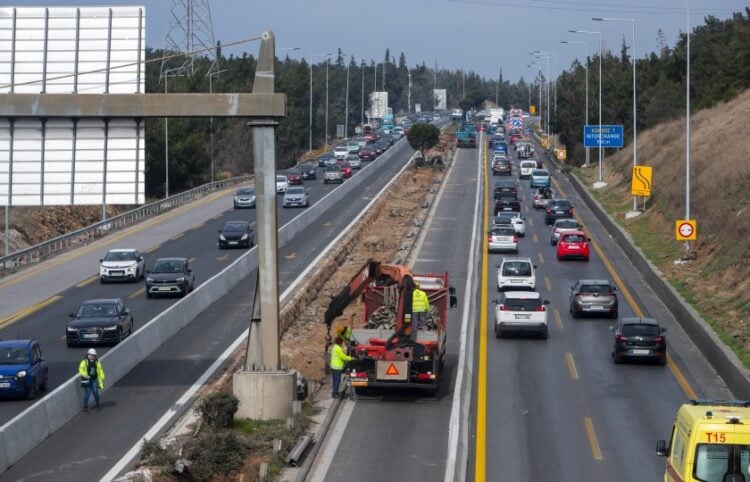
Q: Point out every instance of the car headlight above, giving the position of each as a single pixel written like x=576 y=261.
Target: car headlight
x=244 y=237
x=180 y=279
x=111 y=328
x=222 y=238
x=21 y=374
x=149 y=280
x=72 y=329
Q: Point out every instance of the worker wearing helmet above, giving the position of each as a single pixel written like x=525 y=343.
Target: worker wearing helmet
x=345 y=333
x=338 y=361
x=92 y=378
x=420 y=306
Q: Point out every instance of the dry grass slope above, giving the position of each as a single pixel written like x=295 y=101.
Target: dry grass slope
x=718 y=282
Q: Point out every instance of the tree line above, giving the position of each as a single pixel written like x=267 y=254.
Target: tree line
x=719 y=71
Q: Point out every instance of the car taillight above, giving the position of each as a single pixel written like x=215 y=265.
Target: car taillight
x=621 y=339
x=541 y=308
x=515 y=238
x=503 y=308
x=570 y=210
x=549 y=210
x=489 y=237
x=659 y=340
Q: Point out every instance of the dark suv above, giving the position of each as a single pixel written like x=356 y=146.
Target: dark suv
x=502 y=167
x=170 y=276
x=23 y=370
x=558 y=209
x=506 y=201
x=593 y=296
x=639 y=339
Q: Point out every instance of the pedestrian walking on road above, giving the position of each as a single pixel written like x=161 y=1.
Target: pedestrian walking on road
x=92 y=378
x=338 y=361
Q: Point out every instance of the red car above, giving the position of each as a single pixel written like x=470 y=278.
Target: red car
x=573 y=244
x=293 y=176
x=367 y=153
x=515 y=138
x=346 y=169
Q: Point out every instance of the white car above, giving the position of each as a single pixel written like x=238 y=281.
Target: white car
x=561 y=226
x=513 y=219
x=121 y=265
x=526 y=168
x=354 y=161
x=521 y=312
x=281 y=184
x=499 y=157
x=340 y=152
x=502 y=238
x=516 y=274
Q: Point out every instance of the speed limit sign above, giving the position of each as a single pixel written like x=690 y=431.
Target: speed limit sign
x=685 y=230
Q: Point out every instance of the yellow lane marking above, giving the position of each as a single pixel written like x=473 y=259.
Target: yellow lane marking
x=541 y=257
x=535 y=238
x=558 y=318
x=548 y=284
x=198 y=226
x=480 y=458
x=218 y=216
x=222 y=258
x=29 y=310
x=152 y=248
x=596 y=452
x=291 y=256
x=327 y=223
x=673 y=368
x=530 y=221
x=192 y=259
x=137 y=293
x=571 y=366
x=87 y=281
x=177 y=236
x=110 y=240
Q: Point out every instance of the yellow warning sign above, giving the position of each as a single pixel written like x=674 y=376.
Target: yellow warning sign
x=392 y=370
x=562 y=154
x=685 y=229
x=532 y=109
x=641 y=181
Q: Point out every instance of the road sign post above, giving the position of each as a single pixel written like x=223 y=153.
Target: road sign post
x=686 y=230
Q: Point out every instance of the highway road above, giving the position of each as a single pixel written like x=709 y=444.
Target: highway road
x=134 y=404
x=404 y=436
x=560 y=409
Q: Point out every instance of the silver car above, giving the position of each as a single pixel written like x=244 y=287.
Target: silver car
x=502 y=238
x=244 y=198
x=333 y=174
x=354 y=161
x=562 y=225
x=121 y=265
x=296 y=196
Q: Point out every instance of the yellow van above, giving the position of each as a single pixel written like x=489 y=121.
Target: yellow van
x=710 y=442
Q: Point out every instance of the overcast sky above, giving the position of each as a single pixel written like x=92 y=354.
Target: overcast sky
x=477 y=35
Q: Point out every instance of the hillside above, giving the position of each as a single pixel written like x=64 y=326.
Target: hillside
x=718 y=280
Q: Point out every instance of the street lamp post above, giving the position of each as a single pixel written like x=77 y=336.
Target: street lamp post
x=586 y=48
x=601 y=182
x=166 y=132
x=687 y=122
x=362 y=105
x=546 y=60
x=635 y=119
x=539 y=72
x=310 y=123
x=328 y=62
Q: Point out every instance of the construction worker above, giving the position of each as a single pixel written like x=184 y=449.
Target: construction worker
x=92 y=378
x=420 y=306
x=338 y=361
x=345 y=333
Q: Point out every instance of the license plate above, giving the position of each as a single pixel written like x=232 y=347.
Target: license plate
x=597 y=307
x=515 y=281
x=5 y=385
x=641 y=352
x=523 y=317
x=573 y=246
x=232 y=242
x=90 y=336
x=163 y=288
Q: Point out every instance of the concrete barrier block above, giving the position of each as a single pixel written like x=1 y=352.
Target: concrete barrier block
x=3 y=455
x=63 y=403
x=265 y=395
x=25 y=431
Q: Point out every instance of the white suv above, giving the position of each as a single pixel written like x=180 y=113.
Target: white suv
x=526 y=168
x=521 y=312
x=121 y=265
x=340 y=152
x=516 y=274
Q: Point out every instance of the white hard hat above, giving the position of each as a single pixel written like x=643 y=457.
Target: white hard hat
x=92 y=351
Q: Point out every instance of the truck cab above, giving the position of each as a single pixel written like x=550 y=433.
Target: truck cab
x=710 y=442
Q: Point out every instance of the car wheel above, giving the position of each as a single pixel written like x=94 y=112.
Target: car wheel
x=586 y=258
x=102 y=280
x=616 y=358
x=575 y=313
x=559 y=258
x=148 y=294
x=613 y=315
x=33 y=392
x=43 y=386
x=132 y=323
x=544 y=334
x=663 y=360
x=119 y=335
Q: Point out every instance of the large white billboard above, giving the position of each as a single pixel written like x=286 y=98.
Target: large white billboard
x=440 y=99
x=378 y=104
x=84 y=50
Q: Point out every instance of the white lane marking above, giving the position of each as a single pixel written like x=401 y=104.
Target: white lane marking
x=190 y=393
x=331 y=443
x=467 y=332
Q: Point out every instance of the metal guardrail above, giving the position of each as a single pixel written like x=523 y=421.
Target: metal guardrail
x=26 y=257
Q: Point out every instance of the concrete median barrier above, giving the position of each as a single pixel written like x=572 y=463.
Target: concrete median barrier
x=29 y=428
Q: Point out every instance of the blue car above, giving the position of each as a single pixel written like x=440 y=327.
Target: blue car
x=540 y=178
x=23 y=370
x=501 y=147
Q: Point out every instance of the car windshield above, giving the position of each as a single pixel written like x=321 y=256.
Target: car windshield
x=559 y=204
x=163 y=266
x=503 y=232
x=236 y=226
x=715 y=462
x=566 y=224
x=527 y=164
x=245 y=192
x=540 y=172
x=640 y=329
x=516 y=268
x=352 y=158
x=293 y=172
x=335 y=168
x=573 y=238
x=295 y=190
x=306 y=167
x=501 y=220
x=14 y=356
x=520 y=304
x=120 y=256
x=595 y=289
x=280 y=178
x=96 y=310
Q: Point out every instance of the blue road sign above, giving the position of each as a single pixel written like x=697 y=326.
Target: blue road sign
x=611 y=136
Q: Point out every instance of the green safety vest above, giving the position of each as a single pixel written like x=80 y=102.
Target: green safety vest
x=419 y=301
x=339 y=358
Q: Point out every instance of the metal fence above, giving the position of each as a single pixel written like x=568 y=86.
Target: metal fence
x=20 y=259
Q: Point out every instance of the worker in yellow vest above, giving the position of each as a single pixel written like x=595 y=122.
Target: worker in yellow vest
x=420 y=306
x=338 y=361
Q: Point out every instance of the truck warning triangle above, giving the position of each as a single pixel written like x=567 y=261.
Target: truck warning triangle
x=392 y=370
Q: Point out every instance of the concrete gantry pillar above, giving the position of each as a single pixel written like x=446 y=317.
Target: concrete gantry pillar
x=267 y=391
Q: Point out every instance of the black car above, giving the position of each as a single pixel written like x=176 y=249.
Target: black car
x=502 y=167
x=558 y=209
x=104 y=321
x=170 y=276
x=367 y=153
x=325 y=159
x=506 y=201
x=308 y=171
x=236 y=234
x=505 y=186
x=593 y=296
x=639 y=339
